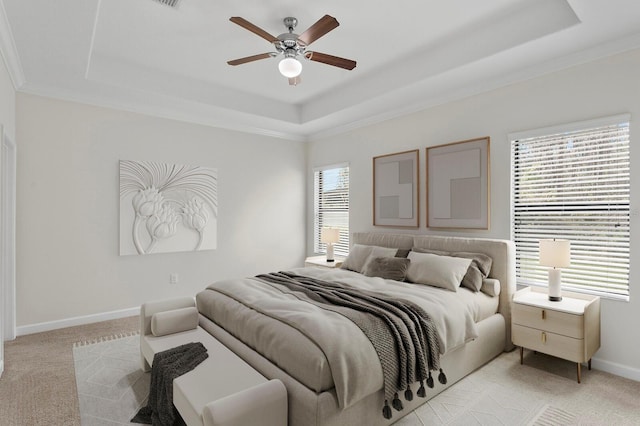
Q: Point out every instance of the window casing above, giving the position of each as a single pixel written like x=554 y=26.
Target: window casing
x=331 y=206
x=572 y=182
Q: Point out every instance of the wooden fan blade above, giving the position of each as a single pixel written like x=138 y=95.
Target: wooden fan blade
x=317 y=30
x=336 y=61
x=253 y=28
x=249 y=59
x=295 y=81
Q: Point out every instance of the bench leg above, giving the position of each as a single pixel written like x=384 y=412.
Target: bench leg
x=144 y=364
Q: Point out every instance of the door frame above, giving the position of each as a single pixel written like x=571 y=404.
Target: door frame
x=8 y=237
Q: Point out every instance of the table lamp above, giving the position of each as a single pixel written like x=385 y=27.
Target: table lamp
x=555 y=254
x=330 y=236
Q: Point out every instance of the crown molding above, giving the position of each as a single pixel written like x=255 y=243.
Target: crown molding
x=9 y=51
x=405 y=101
x=190 y=114
x=375 y=114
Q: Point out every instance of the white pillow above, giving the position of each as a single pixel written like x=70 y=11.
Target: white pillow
x=359 y=254
x=174 y=321
x=438 y=271
x=490 y=286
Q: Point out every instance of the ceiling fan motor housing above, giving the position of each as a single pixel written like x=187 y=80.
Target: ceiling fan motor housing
x=288 y=43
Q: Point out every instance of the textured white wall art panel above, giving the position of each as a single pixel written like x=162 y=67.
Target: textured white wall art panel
x=167 y=207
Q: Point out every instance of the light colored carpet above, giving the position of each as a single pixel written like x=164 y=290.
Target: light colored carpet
x=38 y=386
x=543 y=392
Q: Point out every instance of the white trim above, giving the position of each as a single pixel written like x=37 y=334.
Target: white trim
x=617 y=369
x=8 y=236
x=330 y=166
x=2 y=281
x=93 y=39
x=570 y=127
x=205 y=118
x=70 y=322
x=430 y=100
x=9 y=52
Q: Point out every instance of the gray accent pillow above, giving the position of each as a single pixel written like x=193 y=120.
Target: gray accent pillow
x=478 y=269
x=425 y=250
x=402 y=252
x=359 y=254
x=389 y=268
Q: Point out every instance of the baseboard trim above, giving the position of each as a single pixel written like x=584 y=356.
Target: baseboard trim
x=1 y=367
x=70 y=322
x=617 y=369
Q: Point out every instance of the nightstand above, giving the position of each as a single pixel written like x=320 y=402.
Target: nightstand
x=321 y=261
x=568 y=329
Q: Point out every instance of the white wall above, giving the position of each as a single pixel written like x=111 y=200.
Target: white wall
x=67 y=208
x=606 y=87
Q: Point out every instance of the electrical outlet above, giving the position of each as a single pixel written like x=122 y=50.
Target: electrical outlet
x=173 y=278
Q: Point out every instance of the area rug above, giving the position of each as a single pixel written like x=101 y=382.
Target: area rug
x=542 y=392
x=111 y=385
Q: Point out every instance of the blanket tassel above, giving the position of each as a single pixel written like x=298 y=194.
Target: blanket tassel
x=386 y=410
x=422 y=392
x=442 y=378
x=408 y=394
x=397 y=404
x=430 y=380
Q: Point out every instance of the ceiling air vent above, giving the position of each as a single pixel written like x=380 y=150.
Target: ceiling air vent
x=172 y=3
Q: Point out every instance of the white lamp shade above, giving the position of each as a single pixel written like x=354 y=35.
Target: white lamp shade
x=329 y=235
x=555 y=253
x=290 y=67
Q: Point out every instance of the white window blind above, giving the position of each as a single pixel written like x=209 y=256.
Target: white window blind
x=331 y=206
x=574 y=184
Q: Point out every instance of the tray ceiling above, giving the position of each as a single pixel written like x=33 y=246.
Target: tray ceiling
x=145 y=56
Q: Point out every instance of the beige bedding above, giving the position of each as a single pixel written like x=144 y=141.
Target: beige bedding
x=324 y=349
x=479 y=304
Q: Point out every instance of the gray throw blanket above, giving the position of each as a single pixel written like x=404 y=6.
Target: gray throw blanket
x=402 y=333
x=167 y=365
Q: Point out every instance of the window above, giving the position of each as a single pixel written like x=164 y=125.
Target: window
x=572 y=182
x=331 y=206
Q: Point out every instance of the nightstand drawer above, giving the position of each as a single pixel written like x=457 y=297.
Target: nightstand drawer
x=549 y=343
x=561 y=323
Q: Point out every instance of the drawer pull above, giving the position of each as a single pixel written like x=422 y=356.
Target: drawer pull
x=544 y=314
x=544 y=337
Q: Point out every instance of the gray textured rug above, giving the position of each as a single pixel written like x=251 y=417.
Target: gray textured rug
x=111 y=385
x=542 y=392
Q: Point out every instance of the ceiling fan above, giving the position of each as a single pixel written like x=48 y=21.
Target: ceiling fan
x=291 y=46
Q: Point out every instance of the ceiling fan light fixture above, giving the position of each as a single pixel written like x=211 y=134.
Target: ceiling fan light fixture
x=290 y=67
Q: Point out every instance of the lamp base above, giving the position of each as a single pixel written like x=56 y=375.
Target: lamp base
x=555 y=292
x=330 y=252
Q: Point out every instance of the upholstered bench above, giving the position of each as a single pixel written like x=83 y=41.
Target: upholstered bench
x=223 y=390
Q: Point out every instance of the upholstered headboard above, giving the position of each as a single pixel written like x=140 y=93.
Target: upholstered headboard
x=501 y=251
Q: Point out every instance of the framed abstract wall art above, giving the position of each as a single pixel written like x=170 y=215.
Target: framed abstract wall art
x=458 y=185
x=396 y=189
x=167 y=207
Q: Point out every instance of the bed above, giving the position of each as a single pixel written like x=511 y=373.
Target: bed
x=283 y=338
